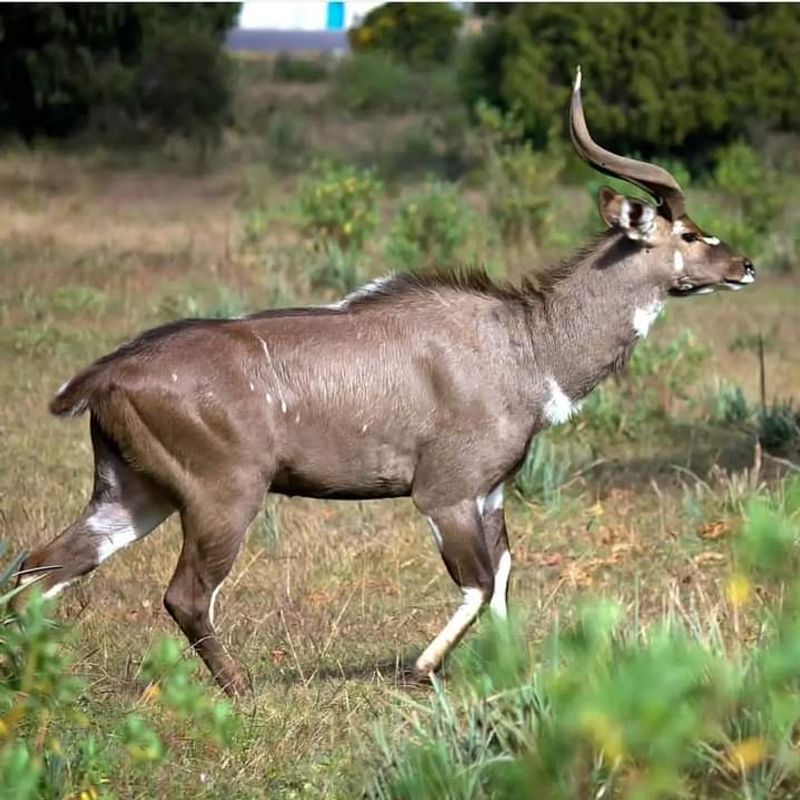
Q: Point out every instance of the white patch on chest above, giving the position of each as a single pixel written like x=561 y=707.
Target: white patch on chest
x=644 y=317
x=558 y=408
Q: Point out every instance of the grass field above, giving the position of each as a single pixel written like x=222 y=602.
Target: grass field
x=328 y=600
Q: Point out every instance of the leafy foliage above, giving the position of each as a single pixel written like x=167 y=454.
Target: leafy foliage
x=415 y=33
x=47 y=746
x=339 y=205
x=720 y=71
x=430 y=227
x=60 y=62
x=519 y=179
x=608 y=709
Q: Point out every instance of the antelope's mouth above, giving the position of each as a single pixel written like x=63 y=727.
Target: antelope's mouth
x=689 y=289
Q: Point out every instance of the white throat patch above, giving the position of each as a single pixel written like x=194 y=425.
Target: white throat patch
x=643 y=318
x=678 y=263
x=558 y=408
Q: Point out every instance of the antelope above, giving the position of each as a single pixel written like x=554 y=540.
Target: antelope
x=428 y=386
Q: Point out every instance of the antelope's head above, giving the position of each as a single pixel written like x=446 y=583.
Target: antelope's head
x=685 y=259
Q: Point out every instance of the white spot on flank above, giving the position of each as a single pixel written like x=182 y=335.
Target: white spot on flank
x=275 y=373
x=269 y=398
x=435 y=652
x=252 y=388
x=437 y=534
x=174 y=377
x=558 y=408
x=498 y=602
x=678 y=262
x=364 y=428
x=643 y=318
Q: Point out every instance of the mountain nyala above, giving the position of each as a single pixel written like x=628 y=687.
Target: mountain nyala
x=423 y=386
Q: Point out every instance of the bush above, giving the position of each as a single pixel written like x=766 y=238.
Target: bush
x=339 y=205
x=184 y=85
x=293 y=69
x=779 y=427
x=716 y=83
x=728 y=405
x=287 y=142
x=520 y=181
x=690 y=707
x=47 y=744
x=414 y=33
x=544 y=472
x=431 y=225
x=375 y=82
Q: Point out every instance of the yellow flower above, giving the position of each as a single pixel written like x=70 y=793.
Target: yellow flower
x=606 y=735
x=738 y=590
x=747 y=753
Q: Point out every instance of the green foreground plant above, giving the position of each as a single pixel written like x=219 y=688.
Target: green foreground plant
x=689 y=707
x=49 y=745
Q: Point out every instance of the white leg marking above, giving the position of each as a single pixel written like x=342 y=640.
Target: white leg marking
x=558 y=408
x=465 y=615
x=212 y=602
x=644 y=317
x=677 y=261
x=117 y=526
x=437 y=534
x=498 y=602
x=494 y=500
x=55 y=589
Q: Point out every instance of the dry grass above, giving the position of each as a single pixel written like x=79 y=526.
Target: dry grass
x=328 y=600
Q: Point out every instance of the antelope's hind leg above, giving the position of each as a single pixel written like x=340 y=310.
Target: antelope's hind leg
x=213 y=531
x=460 y=536
x=125 y=506
x=494 y=524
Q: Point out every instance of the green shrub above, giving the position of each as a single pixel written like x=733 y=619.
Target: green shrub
x=779 y=427
x=728 y=405
x=430 y=227
x=727 y=66
x=49 y=746
x=184 y=85
x=336 y=269
x=544 y=472
x=689 y=707
x=293 y=69
x=415 y=33
x=287 y=141
x=339 y=205
x=374 y=82
x=520 y=181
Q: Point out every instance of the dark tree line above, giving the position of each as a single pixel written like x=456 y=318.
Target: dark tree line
x=160 y=65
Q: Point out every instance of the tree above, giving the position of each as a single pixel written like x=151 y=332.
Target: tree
x=680 y=78
x=415 y=33
x=58 y=61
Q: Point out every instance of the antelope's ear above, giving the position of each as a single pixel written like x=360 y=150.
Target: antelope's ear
x=634 y=217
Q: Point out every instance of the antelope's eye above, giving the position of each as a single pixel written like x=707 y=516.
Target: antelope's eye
x=689 y=237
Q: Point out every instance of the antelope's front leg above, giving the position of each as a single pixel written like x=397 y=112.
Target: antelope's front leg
x=460 y=536
x=494 y=526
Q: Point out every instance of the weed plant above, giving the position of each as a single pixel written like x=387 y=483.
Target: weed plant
x=703 y=704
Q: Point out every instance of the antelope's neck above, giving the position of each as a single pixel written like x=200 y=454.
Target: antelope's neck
x=590 y=325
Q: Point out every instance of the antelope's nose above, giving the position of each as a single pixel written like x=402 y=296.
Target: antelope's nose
x=749 y=271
